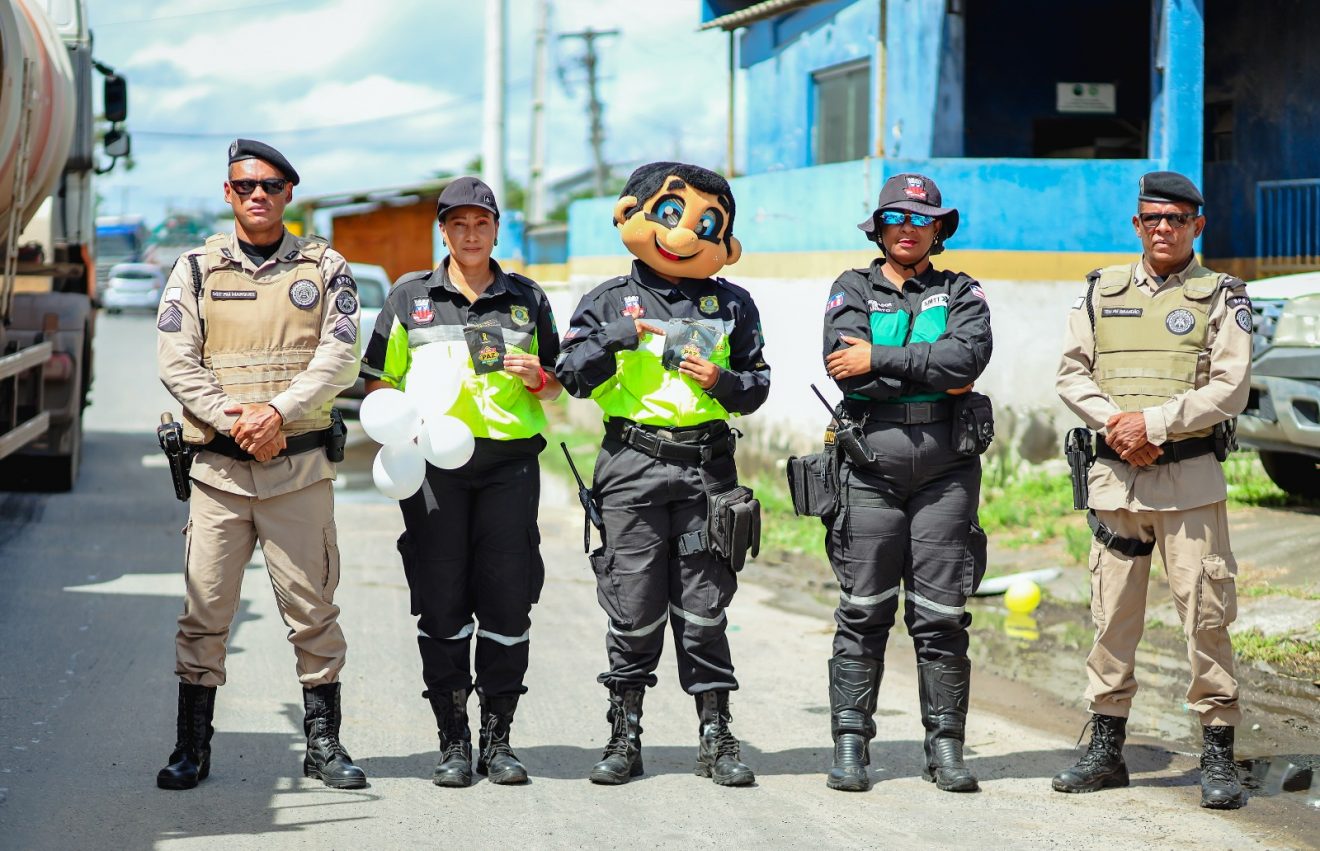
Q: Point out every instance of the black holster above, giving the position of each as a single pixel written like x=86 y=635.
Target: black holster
x=1079 y=449
x=733 y=525
x=180 y=455
x=813 y=480
x=973 y=423
x=337 y=439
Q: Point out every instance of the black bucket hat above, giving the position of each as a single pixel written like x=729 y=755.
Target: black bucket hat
x=913 y=193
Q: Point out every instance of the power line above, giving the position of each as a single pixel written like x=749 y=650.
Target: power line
x=589 y=61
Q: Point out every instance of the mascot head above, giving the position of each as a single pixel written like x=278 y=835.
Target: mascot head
x=678 y=219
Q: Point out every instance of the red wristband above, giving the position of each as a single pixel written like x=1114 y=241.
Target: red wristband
x=544 y=379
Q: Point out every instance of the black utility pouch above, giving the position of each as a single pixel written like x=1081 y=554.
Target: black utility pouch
x=734 y=526
x=813 y=484
x=337 y=440
x=973 y=423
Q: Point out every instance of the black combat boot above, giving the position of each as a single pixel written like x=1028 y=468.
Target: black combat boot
x=717 y=755
x=191 y=760
x=326 y=759
x=497 y=759
x=945 y=686
x=623 y=753
x=1102 y=765
x=451 y=721
x=854 y=685
x=1220 y=787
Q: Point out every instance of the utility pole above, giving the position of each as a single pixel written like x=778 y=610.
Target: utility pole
x=492 y=137
x=535 y=202
x=589 y=61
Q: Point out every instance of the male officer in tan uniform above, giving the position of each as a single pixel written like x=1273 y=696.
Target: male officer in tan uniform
x=1157 y=358
x=258 y=332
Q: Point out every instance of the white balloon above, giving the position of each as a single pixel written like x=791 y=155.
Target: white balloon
x=399 y=469
x=389 y=416
x=447 y=442
x=434 y=380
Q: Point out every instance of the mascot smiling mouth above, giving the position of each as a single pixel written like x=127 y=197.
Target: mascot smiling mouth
x=669 y=255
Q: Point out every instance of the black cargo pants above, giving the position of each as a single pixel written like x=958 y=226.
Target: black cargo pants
x=641 y=580
x=909 y=519
x=471 y=547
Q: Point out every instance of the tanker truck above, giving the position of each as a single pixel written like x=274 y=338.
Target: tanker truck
x=49 y=157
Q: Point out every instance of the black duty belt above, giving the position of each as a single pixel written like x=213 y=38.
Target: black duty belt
x=694 y=443
x=298 y=444
x=909 y=413
x=1174 y=450
x=1130 y=547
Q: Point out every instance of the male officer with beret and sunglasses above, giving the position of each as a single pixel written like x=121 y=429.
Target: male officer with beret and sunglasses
x=258 y=332
x=1157 y=358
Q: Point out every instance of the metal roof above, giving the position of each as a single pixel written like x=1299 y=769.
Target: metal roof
x=755 y=12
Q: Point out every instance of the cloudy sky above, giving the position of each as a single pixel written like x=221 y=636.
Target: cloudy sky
x=369 y=93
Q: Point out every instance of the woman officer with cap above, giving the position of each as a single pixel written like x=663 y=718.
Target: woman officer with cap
x=904 y=341
x=471 y=545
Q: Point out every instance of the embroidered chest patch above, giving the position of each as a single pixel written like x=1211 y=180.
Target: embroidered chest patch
x=937 y=300
x=304 y=294
x=423 y=312
x=874 y=306
x=1180 y=321
x=519 y=314
x=632 y=307
x=709 y=305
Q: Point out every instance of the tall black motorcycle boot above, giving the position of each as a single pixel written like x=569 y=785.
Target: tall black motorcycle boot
x=326 y=759
x=497 y=760
x=945 y=686
x=191 y=760
x=1220 y=787
x=622 y=759
x=451 y=721
x=854 y=686
x=1102 y=765
x=718 y=753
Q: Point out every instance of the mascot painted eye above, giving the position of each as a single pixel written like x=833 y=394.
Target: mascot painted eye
x=669 y=211
x=708 y=227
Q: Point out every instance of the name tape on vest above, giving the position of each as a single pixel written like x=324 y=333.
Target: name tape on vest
x=1120 y=311
x=233 y=295
x=937 y=300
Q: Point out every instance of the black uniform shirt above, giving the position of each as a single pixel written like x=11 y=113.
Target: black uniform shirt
x=600 y=328
x=957 y=358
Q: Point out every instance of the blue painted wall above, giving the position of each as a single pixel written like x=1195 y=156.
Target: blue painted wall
x=1271 y=75
x=1018 y=205
x=779 y=56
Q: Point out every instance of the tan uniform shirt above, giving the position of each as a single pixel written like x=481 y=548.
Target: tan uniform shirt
x=333 y=367
x=1223 y=383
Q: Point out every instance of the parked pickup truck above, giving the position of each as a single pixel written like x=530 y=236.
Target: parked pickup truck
x=1282 y=418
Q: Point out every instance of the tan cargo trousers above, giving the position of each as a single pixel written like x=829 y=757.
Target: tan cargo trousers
x=297 y=535
x=1193 y=545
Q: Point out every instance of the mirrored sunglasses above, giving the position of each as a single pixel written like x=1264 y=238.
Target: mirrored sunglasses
x=896 y=217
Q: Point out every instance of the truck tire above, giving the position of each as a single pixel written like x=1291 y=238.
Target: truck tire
x=1294 y=473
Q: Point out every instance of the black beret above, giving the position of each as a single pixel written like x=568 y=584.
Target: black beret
x=250 y=149
x=1170 y=187
x=466 y=192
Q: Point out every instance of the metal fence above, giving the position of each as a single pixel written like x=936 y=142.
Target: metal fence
x=1287 y=226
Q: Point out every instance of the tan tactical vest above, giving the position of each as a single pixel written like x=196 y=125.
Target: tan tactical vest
x=258 y=334
x=1150 y=348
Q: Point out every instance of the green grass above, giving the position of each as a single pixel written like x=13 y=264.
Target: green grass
x=1291 y=655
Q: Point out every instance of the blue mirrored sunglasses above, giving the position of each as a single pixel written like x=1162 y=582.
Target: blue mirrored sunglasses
x=896 y=217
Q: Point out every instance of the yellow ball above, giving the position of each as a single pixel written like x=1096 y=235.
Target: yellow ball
x=1022 y=597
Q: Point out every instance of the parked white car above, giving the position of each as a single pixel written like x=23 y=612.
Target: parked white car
x=133 y=286
x=1282 y=419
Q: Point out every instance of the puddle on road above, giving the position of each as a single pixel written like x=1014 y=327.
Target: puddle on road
x=1047 y=649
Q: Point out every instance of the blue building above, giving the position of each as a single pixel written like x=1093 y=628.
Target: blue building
x=1035 y=117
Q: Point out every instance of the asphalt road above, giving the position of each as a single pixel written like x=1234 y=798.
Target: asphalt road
x=92 y=585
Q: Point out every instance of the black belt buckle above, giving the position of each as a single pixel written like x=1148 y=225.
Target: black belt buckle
x=640 y=439
x=918 y=413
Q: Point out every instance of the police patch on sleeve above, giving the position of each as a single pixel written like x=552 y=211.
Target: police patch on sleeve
x=346 y=302
x=304 y=294
x=835 y=301
x=1180 y=321
x=171 y=319
x=1243 y=319
x=342 y=282
x=345 y=330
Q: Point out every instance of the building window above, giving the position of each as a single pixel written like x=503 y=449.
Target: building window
x=842 y=130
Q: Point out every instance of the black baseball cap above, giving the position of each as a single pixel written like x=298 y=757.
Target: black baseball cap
x=1168 y=187
x=250 y=149
x=466 y=192
x=912 y=193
